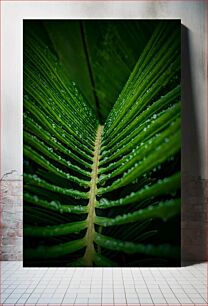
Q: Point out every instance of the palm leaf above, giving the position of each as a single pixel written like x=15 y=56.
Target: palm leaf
x=101 y=143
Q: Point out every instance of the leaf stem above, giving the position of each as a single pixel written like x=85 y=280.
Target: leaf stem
x=90 y=234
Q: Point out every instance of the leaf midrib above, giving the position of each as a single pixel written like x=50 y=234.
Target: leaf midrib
x=90 y=251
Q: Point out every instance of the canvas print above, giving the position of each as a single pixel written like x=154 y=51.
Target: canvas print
x=102 y=148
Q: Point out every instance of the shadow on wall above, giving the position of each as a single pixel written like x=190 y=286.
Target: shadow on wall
x=193 y=222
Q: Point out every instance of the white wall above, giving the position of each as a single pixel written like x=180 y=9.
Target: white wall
x=192 y=15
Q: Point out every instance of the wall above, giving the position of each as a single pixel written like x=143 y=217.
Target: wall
x=194 y=129
x=11 y=220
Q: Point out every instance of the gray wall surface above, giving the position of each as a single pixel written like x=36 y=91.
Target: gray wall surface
x=193 y=15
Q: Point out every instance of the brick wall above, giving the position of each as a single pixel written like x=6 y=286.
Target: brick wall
x=11 y=220
x=194 y=221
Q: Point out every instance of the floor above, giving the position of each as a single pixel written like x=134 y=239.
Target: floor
x=103 y=286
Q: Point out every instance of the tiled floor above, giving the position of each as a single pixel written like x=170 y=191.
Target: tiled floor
x=103 y=286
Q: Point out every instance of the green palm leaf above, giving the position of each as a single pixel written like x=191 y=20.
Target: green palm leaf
x=101 y=143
